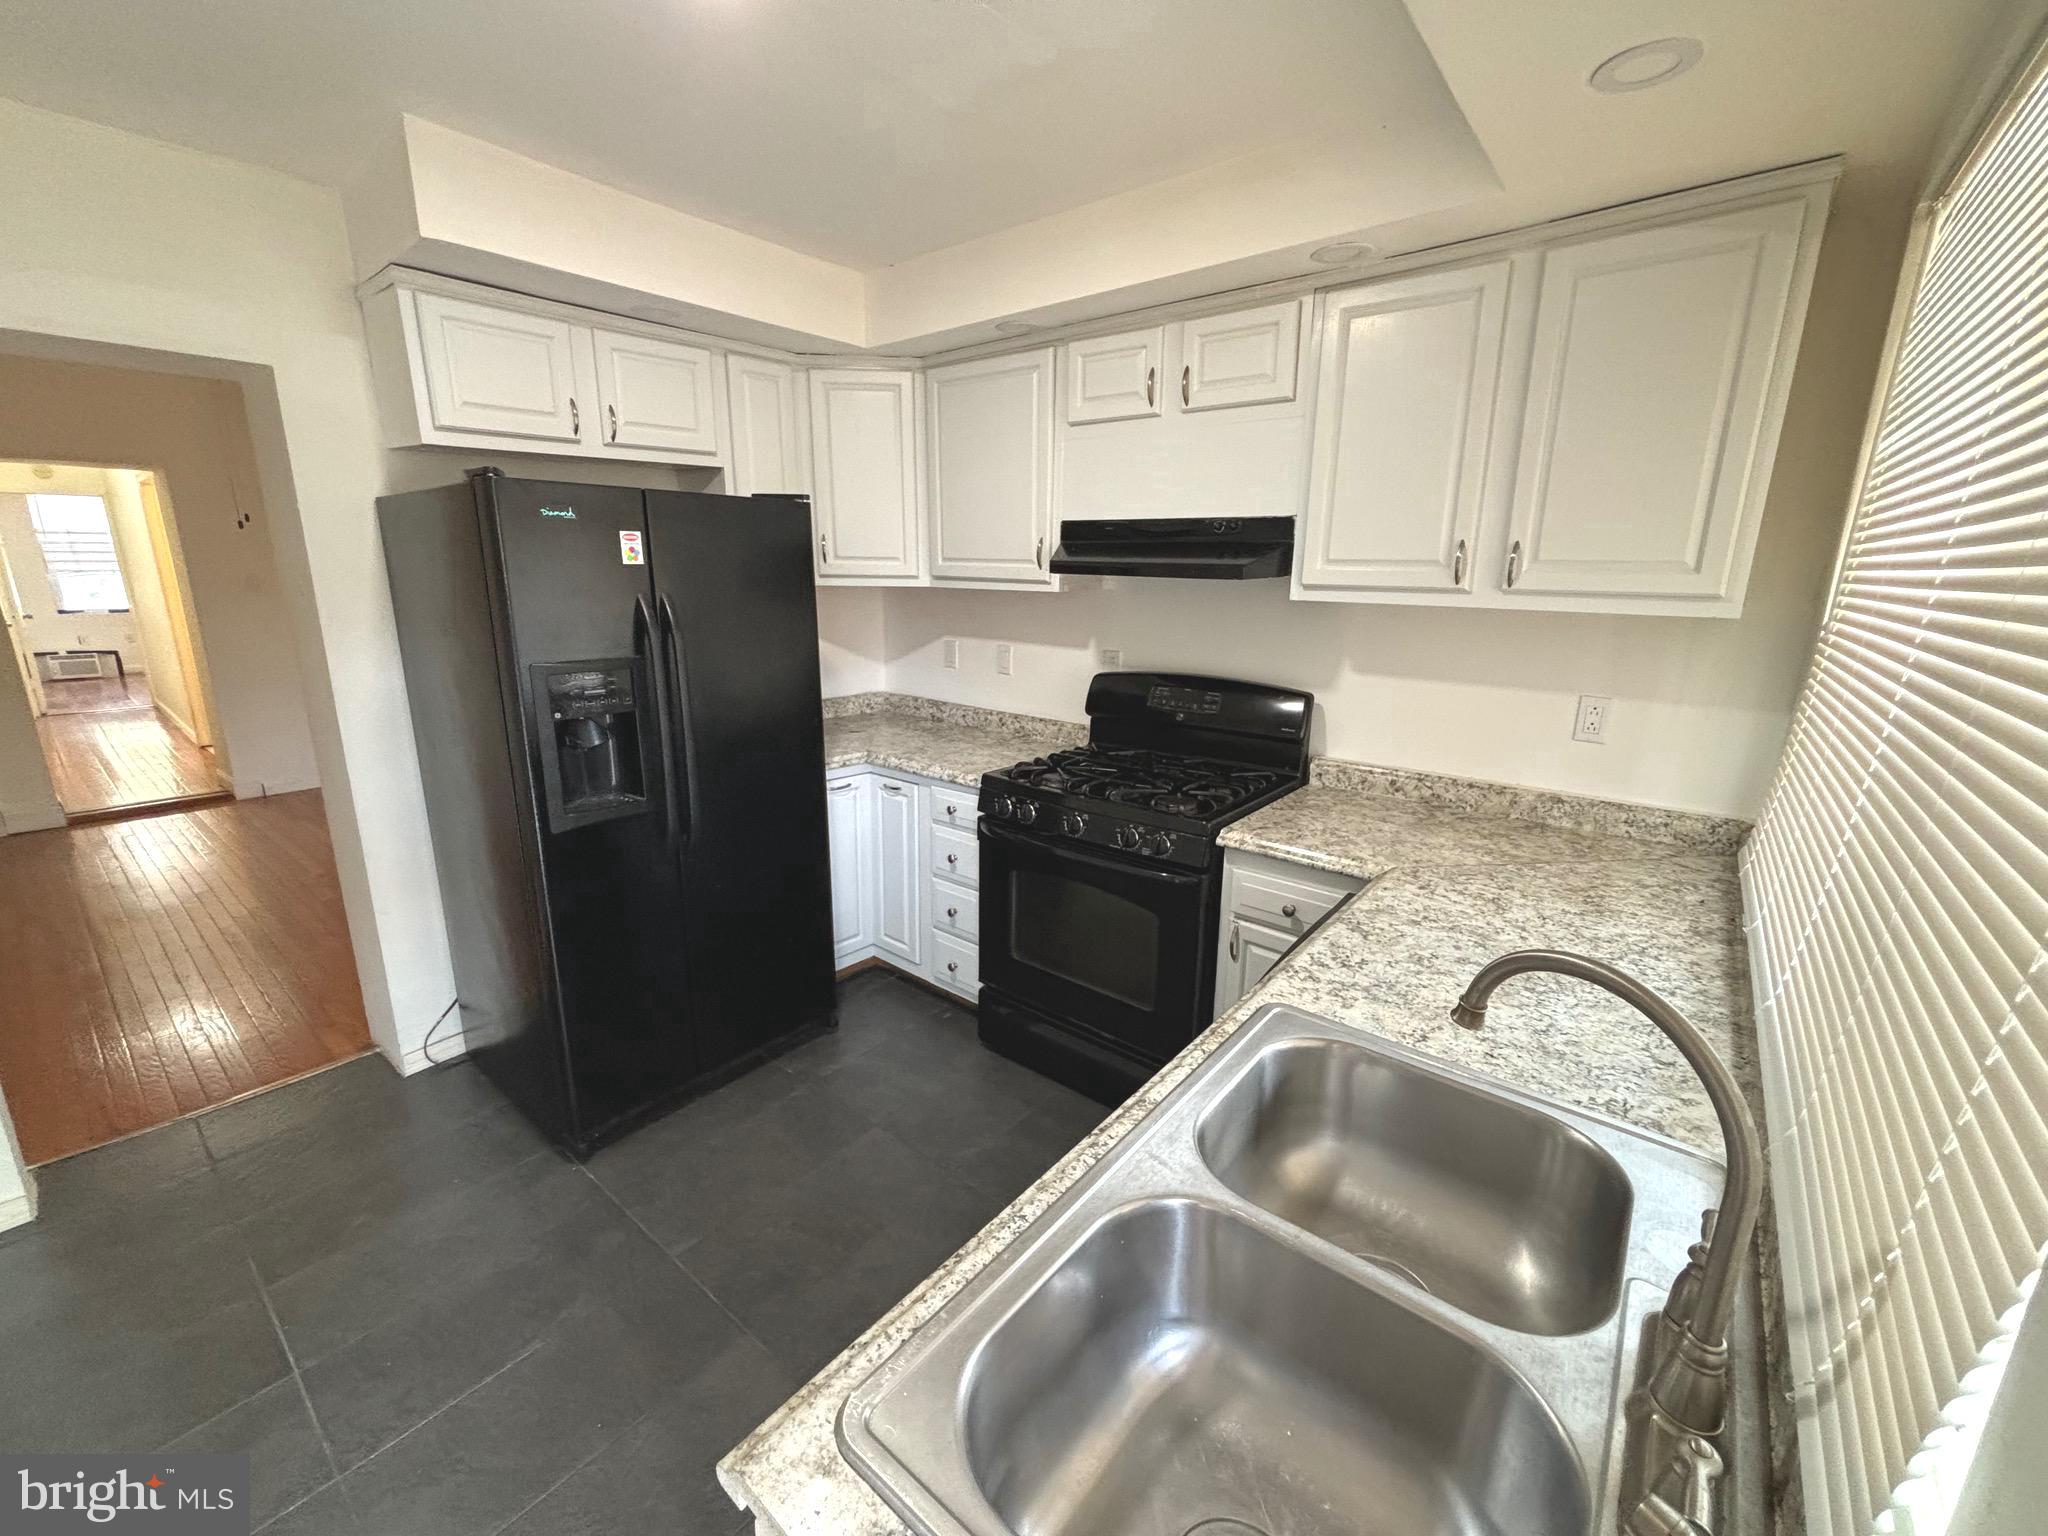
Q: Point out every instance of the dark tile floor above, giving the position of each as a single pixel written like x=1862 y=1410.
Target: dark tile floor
x=419 y=1319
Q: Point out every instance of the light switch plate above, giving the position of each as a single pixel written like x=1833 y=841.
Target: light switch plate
x=1004 y=658
x=949 y=654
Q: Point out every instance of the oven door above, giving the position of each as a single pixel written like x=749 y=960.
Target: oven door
x=1116 y=948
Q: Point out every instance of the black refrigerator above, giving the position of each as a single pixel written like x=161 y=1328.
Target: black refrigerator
x=616 y=701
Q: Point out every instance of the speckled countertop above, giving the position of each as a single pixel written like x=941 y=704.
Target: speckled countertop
x=1451 y=889
x=958 y=747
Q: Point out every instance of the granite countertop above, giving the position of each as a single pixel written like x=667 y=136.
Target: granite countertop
x=1451 y=888
x=956 y=748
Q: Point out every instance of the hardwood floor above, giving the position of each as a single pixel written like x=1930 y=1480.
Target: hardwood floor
x=156 y=967
x=107 y=748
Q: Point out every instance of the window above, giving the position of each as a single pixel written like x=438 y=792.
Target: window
x=78 y=547
x=1898 y=886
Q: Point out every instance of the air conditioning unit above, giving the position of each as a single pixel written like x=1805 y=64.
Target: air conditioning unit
x=67 y=666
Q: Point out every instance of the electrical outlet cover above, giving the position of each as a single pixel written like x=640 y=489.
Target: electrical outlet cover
x=1590 y=723
x=1004 y=657
x=949 y=654
x=1112 y=659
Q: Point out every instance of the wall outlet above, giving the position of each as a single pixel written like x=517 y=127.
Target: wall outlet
x=1590 y=724
x=949 y=654
x=1112 y=659
x=1004 y=659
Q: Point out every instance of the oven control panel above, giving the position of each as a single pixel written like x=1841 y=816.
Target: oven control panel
x=1183 y=702
x=1134 y=839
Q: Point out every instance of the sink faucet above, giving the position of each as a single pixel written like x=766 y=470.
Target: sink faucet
x=1684 y=1400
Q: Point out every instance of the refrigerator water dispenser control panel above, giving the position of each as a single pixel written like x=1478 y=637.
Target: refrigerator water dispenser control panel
x=593 y=753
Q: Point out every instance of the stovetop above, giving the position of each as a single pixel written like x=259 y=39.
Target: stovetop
x=1193 y=789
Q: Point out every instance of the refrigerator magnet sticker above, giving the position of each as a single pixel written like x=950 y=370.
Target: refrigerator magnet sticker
x=629 y=547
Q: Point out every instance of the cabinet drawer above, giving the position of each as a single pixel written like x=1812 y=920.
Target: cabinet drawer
x=953 y=808
x=956 y=855
x=956 y=909
x=1283 y=903
x=955 y=963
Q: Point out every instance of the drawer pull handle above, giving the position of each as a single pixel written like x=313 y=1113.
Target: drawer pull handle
x=1151 y=378
x=1288 y=910
x=952 y=911
x=1185 y=368
x=842 y=786
x=1233 y=940
x=953 y=967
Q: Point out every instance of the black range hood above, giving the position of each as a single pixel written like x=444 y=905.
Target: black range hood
x=1202 y=548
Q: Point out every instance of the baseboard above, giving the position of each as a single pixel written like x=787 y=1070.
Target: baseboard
x=176 y=721
x=19 y=1210
x=446 y=1049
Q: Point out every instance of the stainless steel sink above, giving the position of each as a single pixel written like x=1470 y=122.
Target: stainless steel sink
x=1504 y=1211
x=1327 y=1286
x=1181 y=1367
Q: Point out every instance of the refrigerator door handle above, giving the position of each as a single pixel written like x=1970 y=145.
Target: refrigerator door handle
x=680 y=734
x=643 y=624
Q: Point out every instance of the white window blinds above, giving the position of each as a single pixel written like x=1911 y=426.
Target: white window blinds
x=1898 y=877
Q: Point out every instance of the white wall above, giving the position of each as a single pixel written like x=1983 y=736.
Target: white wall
x=852 y=643
x=154 y=636
x=17 y=1184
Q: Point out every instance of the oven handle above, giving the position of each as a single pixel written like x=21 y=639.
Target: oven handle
x=1026 y=844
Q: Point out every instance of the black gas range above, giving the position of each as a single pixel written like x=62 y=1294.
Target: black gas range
x=1101 y=879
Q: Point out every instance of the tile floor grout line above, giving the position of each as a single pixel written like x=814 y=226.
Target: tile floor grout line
x=298 y=1379
x=526 y=1508
x=681 y=1267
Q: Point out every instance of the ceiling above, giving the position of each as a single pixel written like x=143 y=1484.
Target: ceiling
x=946 y=163
x=860 y=131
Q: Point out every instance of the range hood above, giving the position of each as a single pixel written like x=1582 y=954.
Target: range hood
x=1204 y=548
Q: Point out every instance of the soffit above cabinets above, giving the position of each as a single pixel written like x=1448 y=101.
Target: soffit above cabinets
x=899 y=176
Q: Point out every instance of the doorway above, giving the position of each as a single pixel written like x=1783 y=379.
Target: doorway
x=101 y=627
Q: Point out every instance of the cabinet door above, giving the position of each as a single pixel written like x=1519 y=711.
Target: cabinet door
x=1649 y=384
x=1115 y=378
x=864 y=444
x=498 y=371
x=1250 y=950
x=991 y=467
x=899 y=871
x=768 y=447
x=1247 y=358
x=1404 y=431
x=851 y=844
x=656 y=394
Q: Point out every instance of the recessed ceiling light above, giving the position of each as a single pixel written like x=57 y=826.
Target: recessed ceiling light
x=1340 y=253
x=1013 y=327
x=1646 y=64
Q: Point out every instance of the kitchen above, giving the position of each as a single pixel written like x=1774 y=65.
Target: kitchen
x=1224 y=652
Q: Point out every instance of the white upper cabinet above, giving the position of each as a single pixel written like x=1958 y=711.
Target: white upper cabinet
x=1245 y=358
x=1404 y=441
x=864 y=468
x=498 y=371
x=656 y=394
x=1115 y=378
x=770 y=453
x=1656 y=377
x=991 y=468
x=1223 y=434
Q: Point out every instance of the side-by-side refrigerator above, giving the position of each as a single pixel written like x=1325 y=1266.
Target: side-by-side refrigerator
x=616 y=701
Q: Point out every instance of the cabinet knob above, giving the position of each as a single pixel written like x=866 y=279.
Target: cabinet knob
x=1287 y=910
x=952 y=911
x=953 y=967
x=952 y=810
x=952 y=858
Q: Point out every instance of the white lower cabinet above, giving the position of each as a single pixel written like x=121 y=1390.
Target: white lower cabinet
x=849 y=813
x=1269 y=905
x=899 y=873
x=905 y=886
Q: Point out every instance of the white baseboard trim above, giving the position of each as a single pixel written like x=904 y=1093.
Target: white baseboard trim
x=176 y=721
x=19 y=1210
x=450 y=1047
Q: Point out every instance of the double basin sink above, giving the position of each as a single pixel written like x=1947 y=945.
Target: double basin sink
x=1327 y=1288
